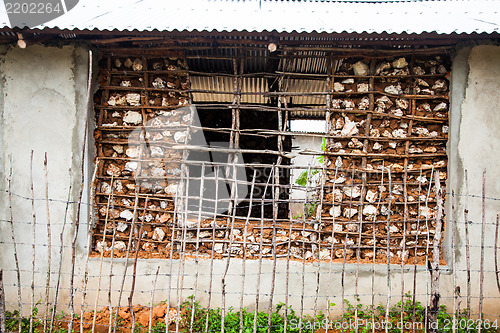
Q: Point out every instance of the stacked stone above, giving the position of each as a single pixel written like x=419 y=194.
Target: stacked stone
x=139 y=119
x=390 y=115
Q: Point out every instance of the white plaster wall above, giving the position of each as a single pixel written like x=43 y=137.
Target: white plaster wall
x=298 y=195
x=43 y=96
x=43 y=100
x=474 y=146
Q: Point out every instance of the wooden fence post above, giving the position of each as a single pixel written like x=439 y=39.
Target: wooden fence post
x=3 y=322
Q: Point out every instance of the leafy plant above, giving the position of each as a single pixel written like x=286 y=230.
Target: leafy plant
x=308 y=174
x=232 y=322
x=159 y=327
x=187 y=314
x=12 y=320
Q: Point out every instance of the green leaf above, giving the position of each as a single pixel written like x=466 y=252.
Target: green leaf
x=302 y=179
x=322 y=157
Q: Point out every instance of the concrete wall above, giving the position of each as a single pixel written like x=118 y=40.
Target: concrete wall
x=299 y=195
x=43 y=101
x=473 y=146
x=42 y=107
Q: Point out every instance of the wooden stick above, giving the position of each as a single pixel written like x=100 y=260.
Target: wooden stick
x=453 y=260
x=374 y=250
x=414 y=294
x=243 y=262
x=33 y=246
x=275 y=195
x=287 y=281
x=49 y=243
x=182 y=207
x=302 y=295
x=467 y=249
x=214 y=224
x=132 y=227
x=111 y=257
x=3 y=321
x=403 y=250
x=14 y=244
x=61 y=241
x=170 y=270
x=388 y=252
x=328 y=129
x=496 y=252
x=110 y=198
x=200 y=205
x=260 y=256
x=428 y=274
x=134 y=274
x=86 y=272
x=182 y=257
x=481 y=263
x=435 y=272
x=152 y=302
x=300 y=152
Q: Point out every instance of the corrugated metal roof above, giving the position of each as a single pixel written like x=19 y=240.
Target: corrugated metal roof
x=443 y=17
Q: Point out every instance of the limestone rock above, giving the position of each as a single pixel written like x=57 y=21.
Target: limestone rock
x=441 y=107
x=417 y=70
x=440 y=85
x=137 y=65
x=350 y=212
x=133 y=99
x=158 y=83
x=349 y=128
x=335 y=211
x=394 y=89
x=385 y=66
x=133 y=117
x=158 y=234
x=120 y=246
x=148 y=246
x=364 y=104
x=132 y=152
x=399 y=63
x=131 y=166
x=127 y=215
x=121 y=227
x=384 y=102
x=360 y=68
x=338 y=87
x=352 y=191
x=371 y=196
x=113 y=170
x=180 y=136
x=363 y=87
x=370 y=210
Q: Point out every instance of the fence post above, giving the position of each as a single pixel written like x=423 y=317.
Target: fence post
x=432 y=321
x=3 y=322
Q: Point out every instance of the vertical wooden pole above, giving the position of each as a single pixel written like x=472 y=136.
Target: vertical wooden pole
x=436 y=254
x=3 y=322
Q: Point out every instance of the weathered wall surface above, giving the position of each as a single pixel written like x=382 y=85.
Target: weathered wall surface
x=42 y=107
x=473 y=146
x=473 y=137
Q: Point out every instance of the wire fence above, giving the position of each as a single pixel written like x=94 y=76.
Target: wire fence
x=55 y=278
x=216 y=225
